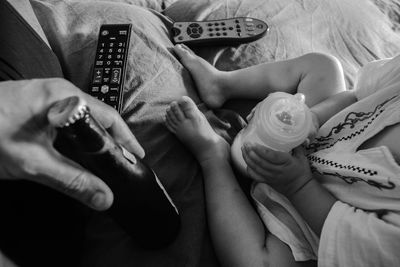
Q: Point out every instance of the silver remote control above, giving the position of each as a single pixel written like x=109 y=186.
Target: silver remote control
x=230 y=31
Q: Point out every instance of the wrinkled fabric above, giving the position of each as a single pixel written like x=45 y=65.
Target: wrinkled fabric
x=354 y=31
x=155 y=78
x=363 y=227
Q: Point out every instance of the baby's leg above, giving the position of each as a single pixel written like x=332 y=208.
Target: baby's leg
x=237 y=232
x=317 y=76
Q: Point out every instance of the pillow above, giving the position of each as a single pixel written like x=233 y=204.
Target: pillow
x=299 y=27
x=154 y=79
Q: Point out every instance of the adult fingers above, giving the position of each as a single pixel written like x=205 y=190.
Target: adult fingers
x=115 y=125
x=58 y=172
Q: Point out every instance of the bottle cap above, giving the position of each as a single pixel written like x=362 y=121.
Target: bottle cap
x=284 y=121
x=67 y=111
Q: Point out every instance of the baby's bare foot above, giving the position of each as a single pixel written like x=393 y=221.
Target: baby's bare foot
x=184 y=119
x=206 y=77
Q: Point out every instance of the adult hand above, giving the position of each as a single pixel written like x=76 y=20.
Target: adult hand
x=26 y=139
x=283 y=171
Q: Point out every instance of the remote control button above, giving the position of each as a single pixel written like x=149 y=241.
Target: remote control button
x=113 y=89
x=194 y=30
x=238 y=26
x=250 y=24
x=210 y=29
x=115 y=75
x=250 y=29
x=98 y=75
x=224 y=33
x=107 y=71
x=216 y=23
x=209 y=24
x=224 y=28
x=260 y=26
x=104 y=89
x=105 y=32
x=113 y=98
x=211 y=34
x=248 y=19
x=194 y=25
x=99 y=63
x=195 y=35
x=237 y=21
x=95 y=89
x=200 y=30
x=189 y=31
x=218 y=34
x=223 y=23
x=217 y=29
x=231 y=28
x=180 y=38
x=106 y=79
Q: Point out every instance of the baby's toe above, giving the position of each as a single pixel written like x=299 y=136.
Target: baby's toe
x=176 y=110
x=188 y=107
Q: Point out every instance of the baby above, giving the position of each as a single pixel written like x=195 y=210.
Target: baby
x=347 y=189
x=238 y=233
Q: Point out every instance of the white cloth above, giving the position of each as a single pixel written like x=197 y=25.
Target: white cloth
x=363 y=227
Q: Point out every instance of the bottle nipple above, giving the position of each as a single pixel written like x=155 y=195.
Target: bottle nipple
x=288 y=113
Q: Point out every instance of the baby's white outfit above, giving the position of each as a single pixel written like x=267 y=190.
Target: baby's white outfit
x=363 y=226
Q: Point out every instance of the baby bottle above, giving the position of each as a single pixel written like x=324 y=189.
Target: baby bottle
x=280 y=122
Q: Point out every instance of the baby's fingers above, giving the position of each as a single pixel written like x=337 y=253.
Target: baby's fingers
x=268 y=155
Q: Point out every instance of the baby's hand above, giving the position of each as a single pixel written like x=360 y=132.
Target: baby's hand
x=286 y=173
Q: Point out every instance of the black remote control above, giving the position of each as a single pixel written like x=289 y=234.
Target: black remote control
x=108 y=78
x=218 y=32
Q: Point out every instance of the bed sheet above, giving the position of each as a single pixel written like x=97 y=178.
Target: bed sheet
x=155 y=78
x=355 y=31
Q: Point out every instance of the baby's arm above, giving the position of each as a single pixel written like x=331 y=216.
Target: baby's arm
x=332 y=105
x=291 y=176
x=238 y=234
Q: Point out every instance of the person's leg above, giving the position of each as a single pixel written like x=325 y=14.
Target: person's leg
x=237 y=232
x=317 y=76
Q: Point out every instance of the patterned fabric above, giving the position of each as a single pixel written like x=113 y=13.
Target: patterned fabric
x=363 y=227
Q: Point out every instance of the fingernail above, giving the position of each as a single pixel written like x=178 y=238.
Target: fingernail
x=99 y=201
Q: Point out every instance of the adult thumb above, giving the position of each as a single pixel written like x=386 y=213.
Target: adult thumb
x=68 y=177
